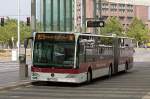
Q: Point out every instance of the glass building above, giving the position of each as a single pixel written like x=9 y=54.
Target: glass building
x=62 y=15
x=55 y=15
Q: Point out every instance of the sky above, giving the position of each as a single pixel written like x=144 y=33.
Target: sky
x=138 y=2
x=144 y=2
x=9 y=7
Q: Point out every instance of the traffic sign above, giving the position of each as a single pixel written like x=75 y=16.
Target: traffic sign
x=98 y=23
x=2 y=21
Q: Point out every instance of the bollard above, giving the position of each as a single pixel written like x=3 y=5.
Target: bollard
x=26 y=70
x=23 y=67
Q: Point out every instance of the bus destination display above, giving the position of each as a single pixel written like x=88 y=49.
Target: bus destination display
x=55 y=37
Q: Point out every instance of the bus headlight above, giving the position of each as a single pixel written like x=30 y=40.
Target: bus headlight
x=35 y=75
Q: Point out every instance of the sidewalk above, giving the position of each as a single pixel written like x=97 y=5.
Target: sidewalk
x=142 y=55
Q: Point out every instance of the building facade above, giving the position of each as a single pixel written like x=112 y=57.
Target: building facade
x=123 y=11
x=72 y=15
x=103 y=9
x=63 y=15
x=142 y=12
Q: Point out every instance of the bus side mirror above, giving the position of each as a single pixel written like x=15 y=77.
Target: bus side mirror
x=26 y=41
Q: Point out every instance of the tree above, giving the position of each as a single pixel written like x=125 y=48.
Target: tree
x=9 y=31
x=138 y=31
x=112 y=26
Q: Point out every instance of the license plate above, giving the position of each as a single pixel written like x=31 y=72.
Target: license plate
x=52 y=79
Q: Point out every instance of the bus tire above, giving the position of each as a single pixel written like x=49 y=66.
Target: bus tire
x=89 y=76
x=110 y=71
x=126 y=67
x=35 y=83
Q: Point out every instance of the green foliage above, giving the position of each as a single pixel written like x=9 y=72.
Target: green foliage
x=10 y=30
x=2 y=51
x=138 y=30
x=112 y=26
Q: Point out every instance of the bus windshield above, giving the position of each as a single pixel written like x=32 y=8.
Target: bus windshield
x=53 y=53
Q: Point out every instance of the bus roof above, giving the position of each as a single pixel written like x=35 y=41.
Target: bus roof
x=90 y=34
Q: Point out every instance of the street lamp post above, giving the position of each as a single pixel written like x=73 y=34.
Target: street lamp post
x=18 y=28
x=22 y=65
x=100 y=12
x=100 y=9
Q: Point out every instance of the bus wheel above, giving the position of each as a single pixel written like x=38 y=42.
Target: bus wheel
x=89 y=76
x=126 y=67
x=35 y=83
x=110 y=71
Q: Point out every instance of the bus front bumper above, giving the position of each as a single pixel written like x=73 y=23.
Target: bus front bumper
x=59 y=77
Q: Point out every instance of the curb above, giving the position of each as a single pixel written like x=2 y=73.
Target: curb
x=14 y=85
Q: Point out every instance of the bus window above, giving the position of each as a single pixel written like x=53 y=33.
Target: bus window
x=58 y=54
x=42 y=52
x=81 y=49
x=55 y=54
x=121 y=42
x=63 y=54
x=106 y=41
x=105 y=47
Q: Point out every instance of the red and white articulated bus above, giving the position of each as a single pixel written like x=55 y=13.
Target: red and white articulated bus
x=78 y=57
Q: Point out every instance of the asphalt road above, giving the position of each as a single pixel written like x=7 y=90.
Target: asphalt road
x=142 y=55
x=9 y=72
x=132 y=85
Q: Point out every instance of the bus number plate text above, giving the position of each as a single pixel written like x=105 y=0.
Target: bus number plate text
x=52 y=79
